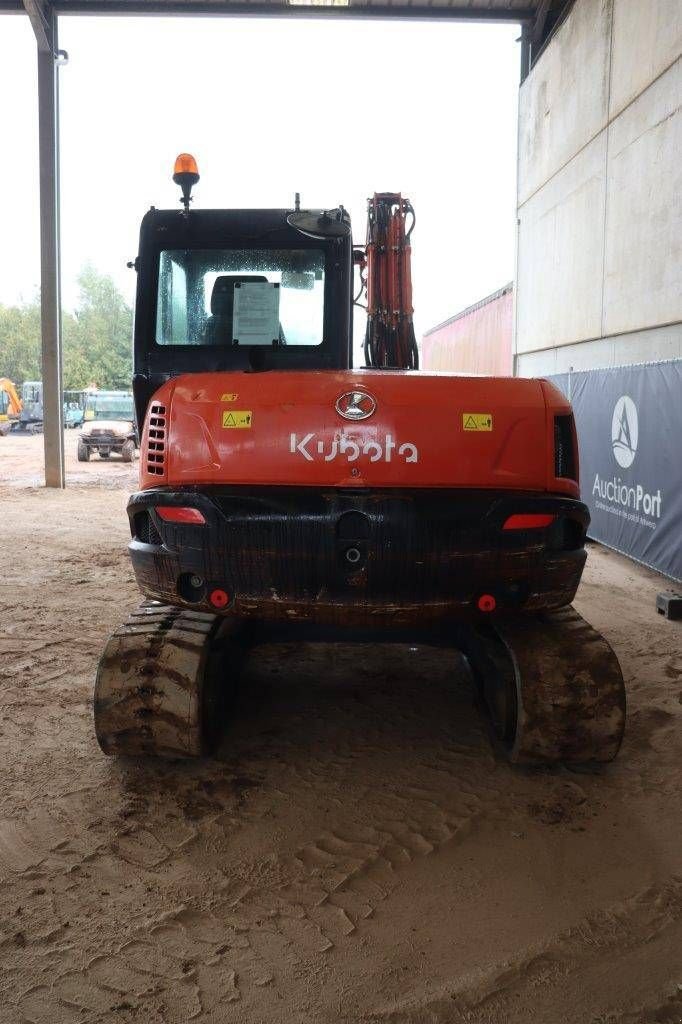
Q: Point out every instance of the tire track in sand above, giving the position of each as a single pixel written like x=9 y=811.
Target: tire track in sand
x=567 y=971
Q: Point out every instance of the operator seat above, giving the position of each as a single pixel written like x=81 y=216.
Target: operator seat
x=218 y=327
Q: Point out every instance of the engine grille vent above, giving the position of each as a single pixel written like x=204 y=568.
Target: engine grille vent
x=145 y=530
x=156 y=440
x=564 y=454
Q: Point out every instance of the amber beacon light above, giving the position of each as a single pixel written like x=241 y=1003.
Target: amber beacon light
x=186 y=175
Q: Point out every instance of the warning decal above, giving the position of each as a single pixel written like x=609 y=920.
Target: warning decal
x=238 y=418
x=477 y=421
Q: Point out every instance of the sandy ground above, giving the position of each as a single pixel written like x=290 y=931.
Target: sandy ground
x=21 y=464
x=355 y=853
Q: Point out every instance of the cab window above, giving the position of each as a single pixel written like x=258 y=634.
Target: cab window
x=246 y=297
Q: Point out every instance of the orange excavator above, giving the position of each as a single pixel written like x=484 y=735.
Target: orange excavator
x=286 y=494
x=10 y=406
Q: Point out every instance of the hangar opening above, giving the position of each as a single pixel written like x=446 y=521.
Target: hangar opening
x=363 y=752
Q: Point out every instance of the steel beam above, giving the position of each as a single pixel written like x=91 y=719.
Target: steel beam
x=39 y=16
x=422 y=11
x=525 y=51
x=539 y=23
x=44 y=24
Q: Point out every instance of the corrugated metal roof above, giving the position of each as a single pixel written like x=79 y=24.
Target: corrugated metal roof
x=479 y=10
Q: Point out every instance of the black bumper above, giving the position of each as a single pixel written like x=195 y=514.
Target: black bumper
x=111 y=441
x=355 y=558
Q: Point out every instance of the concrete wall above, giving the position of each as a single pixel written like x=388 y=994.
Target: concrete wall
x=599 y=266
x=477 y=340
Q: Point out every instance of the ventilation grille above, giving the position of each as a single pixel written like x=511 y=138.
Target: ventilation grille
x=564 y=453
x=156 y=440
x=145 y=530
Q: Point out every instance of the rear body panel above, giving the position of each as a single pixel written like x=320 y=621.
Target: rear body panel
x=283 y=428
x=393 y=520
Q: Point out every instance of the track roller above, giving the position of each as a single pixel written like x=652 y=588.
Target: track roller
x=552 y=686
x=157 y=689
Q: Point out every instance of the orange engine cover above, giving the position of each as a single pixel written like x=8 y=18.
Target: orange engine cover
x=416 y=430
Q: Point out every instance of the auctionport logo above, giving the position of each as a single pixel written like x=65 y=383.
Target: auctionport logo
x=630 y=500
x=624 y=431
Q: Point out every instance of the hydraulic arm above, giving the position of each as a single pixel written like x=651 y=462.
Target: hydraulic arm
x=389 y=337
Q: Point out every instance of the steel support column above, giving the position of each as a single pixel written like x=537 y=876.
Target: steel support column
x=44 y=24
x=525 y=50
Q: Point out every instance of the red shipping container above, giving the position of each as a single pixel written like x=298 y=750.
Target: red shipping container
x=477 y=340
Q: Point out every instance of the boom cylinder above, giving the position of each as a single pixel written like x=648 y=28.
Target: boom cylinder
x=389 y=338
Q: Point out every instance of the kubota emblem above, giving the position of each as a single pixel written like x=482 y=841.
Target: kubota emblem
x=355 y=405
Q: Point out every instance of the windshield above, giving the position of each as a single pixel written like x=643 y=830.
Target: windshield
x=109 y=407
x=268 y=297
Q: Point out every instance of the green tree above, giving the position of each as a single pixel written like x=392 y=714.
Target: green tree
x=20 y=342
x=97 y=337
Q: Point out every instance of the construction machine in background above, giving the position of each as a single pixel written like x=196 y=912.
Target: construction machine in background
x=108 y=426
x=26 y=413
x=73 y=403
x=10 y=406
x=285 y=494
x=31 y=416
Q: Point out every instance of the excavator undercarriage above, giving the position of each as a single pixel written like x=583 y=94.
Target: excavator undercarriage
x=549 y=684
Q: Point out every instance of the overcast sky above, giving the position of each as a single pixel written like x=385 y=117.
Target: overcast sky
x=269 y=107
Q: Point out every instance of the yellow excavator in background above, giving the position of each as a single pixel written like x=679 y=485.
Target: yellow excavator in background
x=10 y=405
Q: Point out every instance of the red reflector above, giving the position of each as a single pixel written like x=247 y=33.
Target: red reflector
x=528 y=521
x=487 y=603
x=219 y=598
x=176 y=514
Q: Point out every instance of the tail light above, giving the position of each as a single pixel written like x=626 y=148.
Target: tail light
x=528 y=521
x=565 y=462
x=179 y=514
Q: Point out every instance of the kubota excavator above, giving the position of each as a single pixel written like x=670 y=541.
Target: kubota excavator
x=10 y=406
x=286 y=494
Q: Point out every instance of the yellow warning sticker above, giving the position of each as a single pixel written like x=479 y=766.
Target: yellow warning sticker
x=229 y=397
x=238 y=418
x=477 y=421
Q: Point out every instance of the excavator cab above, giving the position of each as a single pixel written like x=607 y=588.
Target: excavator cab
x=241 y=290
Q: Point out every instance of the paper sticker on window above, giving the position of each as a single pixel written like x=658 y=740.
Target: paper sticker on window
x=255 y=318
